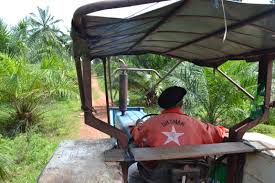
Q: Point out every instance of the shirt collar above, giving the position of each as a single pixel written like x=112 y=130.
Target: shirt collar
x=173 y=110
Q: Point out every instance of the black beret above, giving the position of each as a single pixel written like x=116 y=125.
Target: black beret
x=171 y=96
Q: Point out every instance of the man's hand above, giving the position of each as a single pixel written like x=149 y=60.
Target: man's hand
x=139 y=121
x=226 y=132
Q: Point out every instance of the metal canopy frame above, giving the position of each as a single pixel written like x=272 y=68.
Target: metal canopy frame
x=83 y=44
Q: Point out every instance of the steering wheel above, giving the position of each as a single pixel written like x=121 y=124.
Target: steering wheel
x=148 y=115
x=140 y=120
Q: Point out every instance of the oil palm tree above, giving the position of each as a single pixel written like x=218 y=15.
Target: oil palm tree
x=45 y=36
x=4 y=37
x=191 y=77
x=21 y=93
x=44 y=25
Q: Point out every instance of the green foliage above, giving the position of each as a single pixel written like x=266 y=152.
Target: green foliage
x=20 y=38
x=21 y=92
x=98 y=67
x=231 y=104
x=61 y=119
x=271 y=120
x=45 y=37
x=191 y=77
x=210 y=96
x=5 y=163
x=36 y=70
x=24 y=87
x=139 y=83
x=34 y=37
x=29 y=152
x=152 y=109
x=151 y=61
x=59 y=77
x=44 y=26
x=4 y=37
x=262 y=128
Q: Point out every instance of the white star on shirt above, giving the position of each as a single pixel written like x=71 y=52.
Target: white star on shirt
x=172 y=136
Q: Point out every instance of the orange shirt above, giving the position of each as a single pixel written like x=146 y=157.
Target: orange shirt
x=174 y=128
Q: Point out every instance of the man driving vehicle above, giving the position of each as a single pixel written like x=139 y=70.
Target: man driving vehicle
x=170 y=128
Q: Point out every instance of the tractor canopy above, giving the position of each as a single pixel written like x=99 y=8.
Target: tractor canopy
x=204 y=32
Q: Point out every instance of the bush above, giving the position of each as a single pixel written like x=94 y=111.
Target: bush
x=29 y=152
x=24 y=88
x=21 y=93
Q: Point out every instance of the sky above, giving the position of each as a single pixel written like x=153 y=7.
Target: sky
x=11 y=11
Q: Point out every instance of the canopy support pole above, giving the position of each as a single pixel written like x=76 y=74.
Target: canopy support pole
x=80 y=81
x=86 y=67
x=236 y=84
x=236 y=162
x=106 y=88
x=265 y=81
x=110 y=79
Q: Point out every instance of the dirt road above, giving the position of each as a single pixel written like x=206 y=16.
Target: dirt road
x=99 y=103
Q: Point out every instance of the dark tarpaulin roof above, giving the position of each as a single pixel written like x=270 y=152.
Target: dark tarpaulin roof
x=191 y=29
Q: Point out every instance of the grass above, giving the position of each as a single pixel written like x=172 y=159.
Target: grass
x=271 y=120
x=30 y=152
x=272 y=134
x=62 y=119
x=264 y=129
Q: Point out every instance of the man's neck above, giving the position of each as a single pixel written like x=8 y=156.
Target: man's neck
x=176 y=109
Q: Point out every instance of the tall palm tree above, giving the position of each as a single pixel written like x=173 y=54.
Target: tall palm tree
x=45 y=36
x=44 y=26
x=4 y=37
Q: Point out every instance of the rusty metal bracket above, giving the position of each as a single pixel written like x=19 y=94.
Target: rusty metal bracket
x=104 y=127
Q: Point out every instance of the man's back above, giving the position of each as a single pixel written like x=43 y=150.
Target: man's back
x=174 y=128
